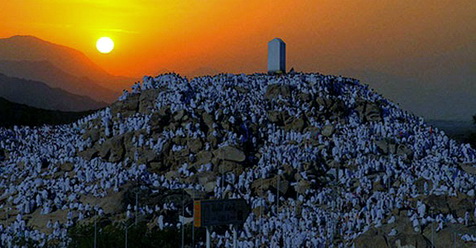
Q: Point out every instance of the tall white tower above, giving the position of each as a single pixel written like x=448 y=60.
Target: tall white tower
x=276 y=55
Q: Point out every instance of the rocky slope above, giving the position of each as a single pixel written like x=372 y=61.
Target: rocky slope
x=322 y=160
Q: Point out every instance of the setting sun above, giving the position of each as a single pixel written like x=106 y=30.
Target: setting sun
x=105 y=45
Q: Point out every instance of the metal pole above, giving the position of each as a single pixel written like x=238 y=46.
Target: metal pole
x=137 y=205
x=193 y=236
x=222 y=185
x=95 y=236
x=277 y=195
x=208 y=237
x=454 y=239
x=261 y=207
x=222 y=178
x=235 y=237
x=433 y=234
x=296 y=204
x=183 y=222
x=126 y=235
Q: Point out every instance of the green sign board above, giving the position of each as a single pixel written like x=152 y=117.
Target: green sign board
x=220 y=212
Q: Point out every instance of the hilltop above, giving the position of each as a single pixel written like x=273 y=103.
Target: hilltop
x=322 y=160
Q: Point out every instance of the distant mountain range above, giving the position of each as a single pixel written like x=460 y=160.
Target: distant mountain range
x=57 y=66
x=46 y=72
x=40 y=95
x=23 y=115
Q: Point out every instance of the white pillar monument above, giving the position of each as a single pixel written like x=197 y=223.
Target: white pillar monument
x=276 y=56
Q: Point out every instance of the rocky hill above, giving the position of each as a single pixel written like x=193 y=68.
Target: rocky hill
x=322 y=160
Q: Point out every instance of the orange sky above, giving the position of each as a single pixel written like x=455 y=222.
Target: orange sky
x=231 y=35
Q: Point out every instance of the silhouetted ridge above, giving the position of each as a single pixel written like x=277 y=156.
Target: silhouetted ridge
x=22 y=115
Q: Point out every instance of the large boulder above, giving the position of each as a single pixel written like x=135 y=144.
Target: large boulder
x=113 y=149
x=404 y=237
x=437 y=204
x=209 y=186
x=274 y=90
x=305 y=97
x=302 y=186
x=208 y=119
x=208 y=180
x=203 y=157
x=94 y=134
x=147 y=100
x=148 y=156
x=158 y=166
x=206 y=177
x=295 y=124
x=229 y=166
x=388 y=146
x=179 y=115
x=260 y=186
x=110 y=203
x=450 y=235
x=324 y=101
x=127 y=107
x=88 y=154
x=469 y=168
x=404 y=150
x=230 y=153
x=327 y=130
x=195 y=145
x=371 y=239
x=373 y=112
x=67 y=167
x=280 y=118
x=368 y=111
x=461 y=204
x=157 y=122
x=213 y=140
x=276 y=117
x=408 y=240
x=382 y=146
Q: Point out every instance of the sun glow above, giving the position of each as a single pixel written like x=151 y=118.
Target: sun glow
x=105 y=45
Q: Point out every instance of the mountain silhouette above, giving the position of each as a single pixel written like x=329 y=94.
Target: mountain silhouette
x=70 y=61
x=20 y=114
x=46 y=72
x=40 y=95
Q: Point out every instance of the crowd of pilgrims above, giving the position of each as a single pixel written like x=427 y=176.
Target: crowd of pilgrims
x=29 y=178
